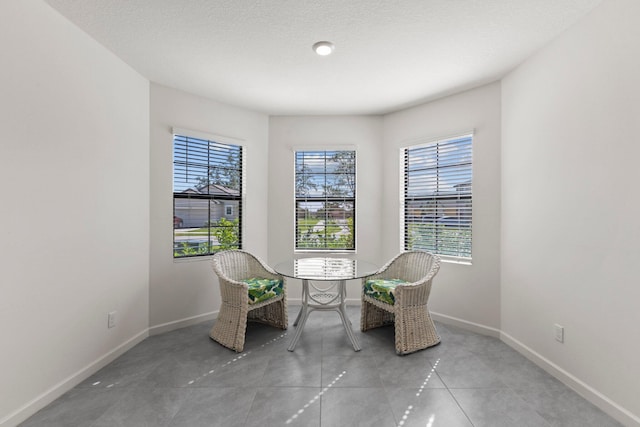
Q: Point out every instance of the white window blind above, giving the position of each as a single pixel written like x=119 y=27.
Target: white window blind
x=325 y=183
x=438 y=197
x=207 y=196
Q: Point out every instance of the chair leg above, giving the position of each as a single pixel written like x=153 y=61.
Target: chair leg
x=280 y=314
x=364 y=311
x=373 y=317
x=414 y=330
x=274 y=314
x=230 y=327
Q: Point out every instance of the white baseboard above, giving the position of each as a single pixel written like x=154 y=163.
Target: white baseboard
x=592 y=395
x=70 y=382
x=465 y=324
x=182 y=323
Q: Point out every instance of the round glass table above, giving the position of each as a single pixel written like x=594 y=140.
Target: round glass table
x=324 y=288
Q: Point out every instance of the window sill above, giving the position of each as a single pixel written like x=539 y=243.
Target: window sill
x=459 y=261
x=181 y=260
x=324 y=252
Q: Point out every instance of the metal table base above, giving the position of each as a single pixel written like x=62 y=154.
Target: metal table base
x=330 y=298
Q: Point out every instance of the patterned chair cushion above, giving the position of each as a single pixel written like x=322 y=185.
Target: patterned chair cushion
x=382 y=289
x=263 y=289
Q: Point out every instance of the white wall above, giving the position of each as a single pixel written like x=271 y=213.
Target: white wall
x=464 y=292
x=287 y=133
x=75 y=206
x=184 y=288
x=570 y=204
x=84 y=139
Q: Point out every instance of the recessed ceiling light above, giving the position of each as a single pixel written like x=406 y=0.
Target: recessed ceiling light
x=323 y=48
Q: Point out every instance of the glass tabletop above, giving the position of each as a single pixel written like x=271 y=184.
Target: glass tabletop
x=325 y=268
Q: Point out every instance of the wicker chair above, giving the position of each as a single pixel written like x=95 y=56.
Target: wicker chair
x=404 y=284
x=236 y=270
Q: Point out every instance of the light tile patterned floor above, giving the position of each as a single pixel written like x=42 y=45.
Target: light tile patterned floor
x=182 y=378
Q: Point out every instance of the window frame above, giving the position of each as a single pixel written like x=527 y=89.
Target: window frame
x=323 y=199
x=463 y=222
x=221 y=199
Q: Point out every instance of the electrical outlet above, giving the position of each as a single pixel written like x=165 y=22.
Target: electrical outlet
x=111 y=320
x=559 y=331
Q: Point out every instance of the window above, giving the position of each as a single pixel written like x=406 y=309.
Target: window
x=207 y=196
x=437 y=197
x=325 y=200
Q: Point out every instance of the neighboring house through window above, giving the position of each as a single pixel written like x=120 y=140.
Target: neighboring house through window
x=325 y=196
x=207 y=196
x=438 y=197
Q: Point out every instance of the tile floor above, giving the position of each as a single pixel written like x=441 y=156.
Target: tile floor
x=182 y=378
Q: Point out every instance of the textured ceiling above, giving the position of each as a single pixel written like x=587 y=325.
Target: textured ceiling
x=390 y=54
